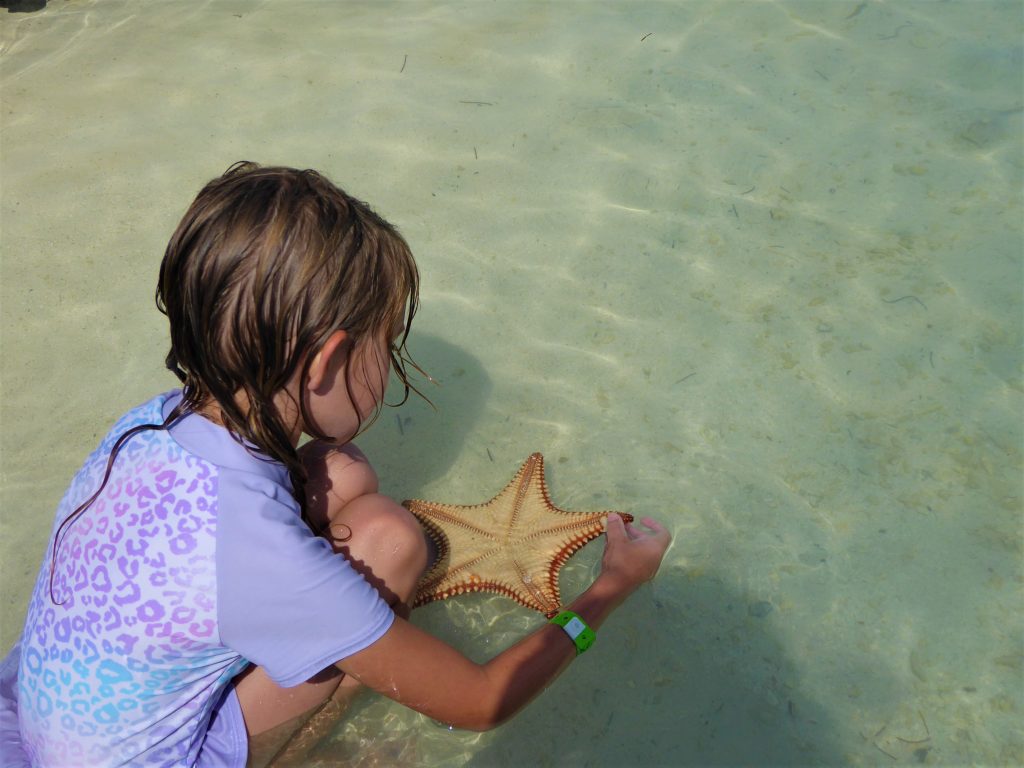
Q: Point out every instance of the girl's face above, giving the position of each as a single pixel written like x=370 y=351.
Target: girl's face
x=353 y=387
x=369 y=370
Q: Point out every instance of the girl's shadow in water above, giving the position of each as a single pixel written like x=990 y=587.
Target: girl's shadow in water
x=418 y=443
x=688 y=674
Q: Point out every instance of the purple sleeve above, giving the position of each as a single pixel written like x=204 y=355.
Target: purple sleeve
x=285 y=600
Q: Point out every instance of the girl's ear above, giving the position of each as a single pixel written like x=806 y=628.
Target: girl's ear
x=328 y=360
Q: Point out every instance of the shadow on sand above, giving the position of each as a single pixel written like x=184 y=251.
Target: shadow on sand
x=23 y=6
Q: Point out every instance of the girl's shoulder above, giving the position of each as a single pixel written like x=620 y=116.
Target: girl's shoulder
x=150 y=412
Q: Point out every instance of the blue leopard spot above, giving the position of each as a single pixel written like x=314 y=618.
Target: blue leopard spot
x=107 y=714
x=109 y=672
x=44 y=704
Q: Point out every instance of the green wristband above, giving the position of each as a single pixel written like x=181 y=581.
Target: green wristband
x=576 y=628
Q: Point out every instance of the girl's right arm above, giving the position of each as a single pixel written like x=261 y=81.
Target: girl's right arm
x=424 y=673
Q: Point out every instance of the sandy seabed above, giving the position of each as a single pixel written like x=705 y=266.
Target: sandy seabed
x=751 y=268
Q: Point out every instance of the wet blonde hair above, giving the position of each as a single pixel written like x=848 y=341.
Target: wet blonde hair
x=265 y=265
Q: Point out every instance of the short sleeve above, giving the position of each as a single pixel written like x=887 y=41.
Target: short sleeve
x=285 y=600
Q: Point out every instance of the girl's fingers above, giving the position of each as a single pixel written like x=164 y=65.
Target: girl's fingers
x=617 y=528
x=653 y=524
x=614 y=528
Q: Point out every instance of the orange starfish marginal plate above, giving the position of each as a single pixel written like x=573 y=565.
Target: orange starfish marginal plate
x=514 y=545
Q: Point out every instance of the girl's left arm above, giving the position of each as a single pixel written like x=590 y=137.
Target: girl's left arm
x=424 y=673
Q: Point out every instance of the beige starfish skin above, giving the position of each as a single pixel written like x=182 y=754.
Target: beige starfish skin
x=514 y=545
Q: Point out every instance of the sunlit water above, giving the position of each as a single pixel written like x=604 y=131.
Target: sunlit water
x=751 y=268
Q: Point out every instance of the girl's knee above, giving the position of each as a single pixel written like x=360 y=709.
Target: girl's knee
x=384 y=542
x=335 y=476
x=392 y=529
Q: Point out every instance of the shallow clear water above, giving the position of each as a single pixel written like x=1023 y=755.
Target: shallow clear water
x=751 y=268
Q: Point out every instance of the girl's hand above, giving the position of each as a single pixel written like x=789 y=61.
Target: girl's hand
x=631 y=555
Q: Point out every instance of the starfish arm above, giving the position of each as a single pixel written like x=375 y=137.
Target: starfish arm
x=442 y=592
x=446 y=575
x=585 y=527
x=449 y=515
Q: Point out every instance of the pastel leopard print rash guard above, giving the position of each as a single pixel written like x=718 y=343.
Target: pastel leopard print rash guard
x=191 y=564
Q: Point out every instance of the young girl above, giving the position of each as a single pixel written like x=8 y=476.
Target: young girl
x=208 y=585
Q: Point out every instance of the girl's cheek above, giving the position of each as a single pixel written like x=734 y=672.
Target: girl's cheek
x=373 y=393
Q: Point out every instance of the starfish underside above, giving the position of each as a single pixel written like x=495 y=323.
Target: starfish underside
x=513 y=545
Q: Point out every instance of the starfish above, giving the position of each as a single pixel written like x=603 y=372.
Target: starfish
x=514 y=545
